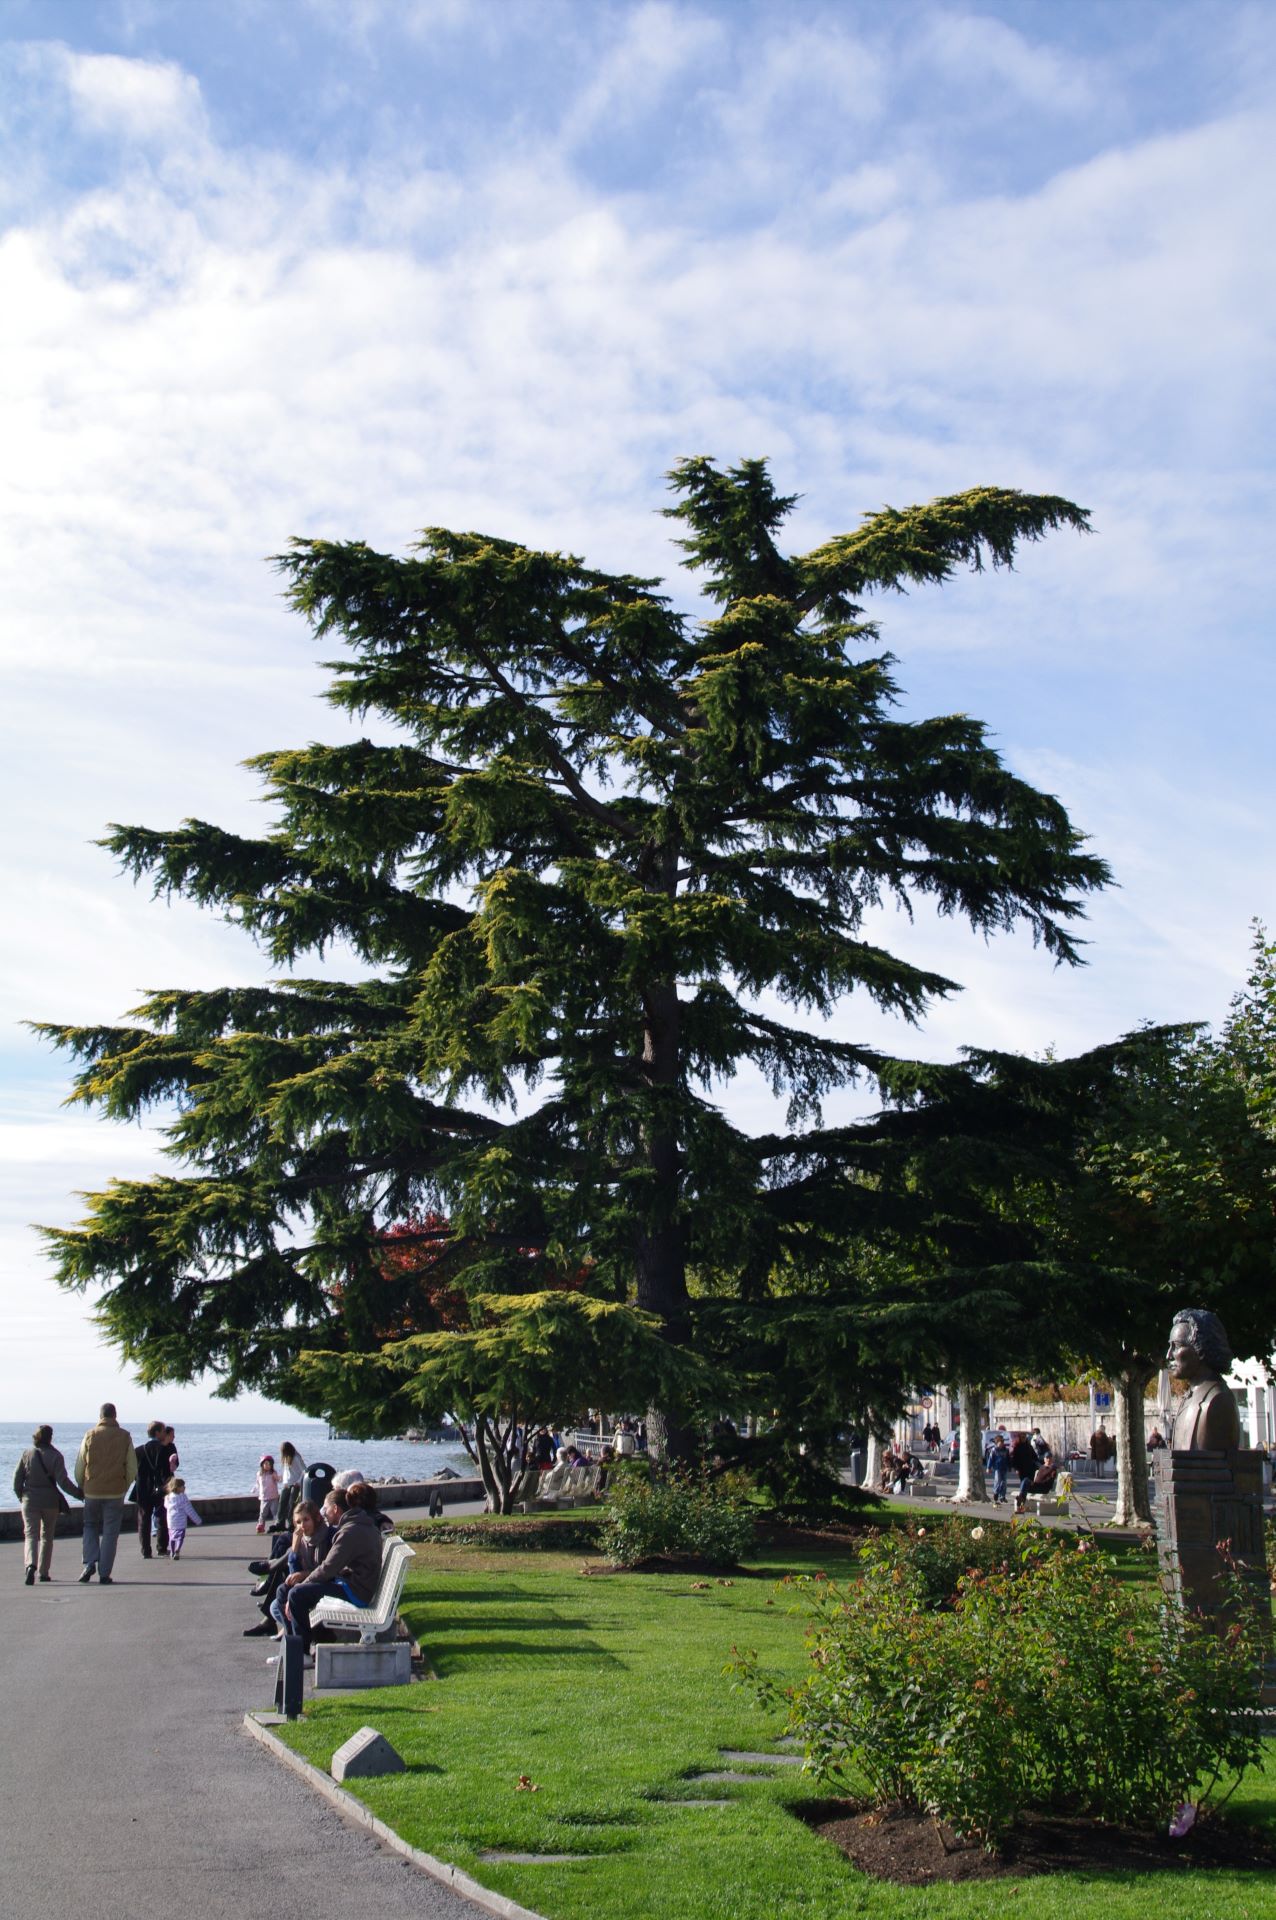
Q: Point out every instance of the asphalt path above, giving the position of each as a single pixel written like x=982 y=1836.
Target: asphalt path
x=127 y=1783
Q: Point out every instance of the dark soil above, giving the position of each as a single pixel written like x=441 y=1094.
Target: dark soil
x=912 y=1849
x=511 y=1534
x=806 y=1536
x=676 y=1563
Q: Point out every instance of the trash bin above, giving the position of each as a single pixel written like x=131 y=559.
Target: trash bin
x=317 y=1482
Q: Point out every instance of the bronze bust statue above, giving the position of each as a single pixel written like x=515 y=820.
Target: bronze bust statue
x=1210 y=1523
x=1200 y=1354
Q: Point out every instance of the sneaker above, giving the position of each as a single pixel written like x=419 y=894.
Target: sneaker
x=46 y=1577
x=87 y=1575
x=261 y=1527
x=29 y=1576
x=105 y=1580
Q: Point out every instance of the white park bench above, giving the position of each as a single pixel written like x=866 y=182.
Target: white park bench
x=564 y=1487
x=379 y=1615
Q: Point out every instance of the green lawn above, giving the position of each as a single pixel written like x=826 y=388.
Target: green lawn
x=608 y=1692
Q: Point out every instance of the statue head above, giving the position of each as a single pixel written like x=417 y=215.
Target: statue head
x=1199 y=1346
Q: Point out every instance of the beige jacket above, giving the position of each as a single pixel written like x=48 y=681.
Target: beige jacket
x=106 y=1465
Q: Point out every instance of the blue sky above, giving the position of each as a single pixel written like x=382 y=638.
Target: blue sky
x=351 y=267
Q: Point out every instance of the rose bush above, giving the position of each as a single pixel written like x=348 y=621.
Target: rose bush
x=1042 y=1681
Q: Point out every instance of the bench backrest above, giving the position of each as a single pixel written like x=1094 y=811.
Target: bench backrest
x=394 y=1563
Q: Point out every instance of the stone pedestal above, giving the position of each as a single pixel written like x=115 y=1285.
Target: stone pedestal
x=386 y=1664
x=1210 y=1532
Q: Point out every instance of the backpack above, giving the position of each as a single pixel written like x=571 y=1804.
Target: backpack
x=151 y=1470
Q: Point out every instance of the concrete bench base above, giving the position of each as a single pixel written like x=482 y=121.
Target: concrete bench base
x=388 y=1664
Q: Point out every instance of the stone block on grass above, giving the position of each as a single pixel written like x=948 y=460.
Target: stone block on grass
x=365 y=1755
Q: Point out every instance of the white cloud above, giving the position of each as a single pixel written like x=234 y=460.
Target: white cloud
x=978 y=52
x=655 y=44
x=139 y=99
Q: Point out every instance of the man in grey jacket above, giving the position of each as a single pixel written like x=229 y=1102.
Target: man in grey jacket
x=105 y=1467
x=349 y=1570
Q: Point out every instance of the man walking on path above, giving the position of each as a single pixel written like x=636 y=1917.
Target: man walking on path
x=105 y=1467
x=152 y=1478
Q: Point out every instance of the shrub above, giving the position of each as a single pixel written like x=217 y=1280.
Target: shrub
x=568 y=1535
x=1044 y=1682
x=684 y=1513
x=938 y=1555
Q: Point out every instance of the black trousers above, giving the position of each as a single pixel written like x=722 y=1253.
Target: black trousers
x=308 y=1594
x=145 y=1508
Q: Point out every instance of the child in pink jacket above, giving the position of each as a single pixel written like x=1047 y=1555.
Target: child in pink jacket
x=266 y=1487
x=177 y=1511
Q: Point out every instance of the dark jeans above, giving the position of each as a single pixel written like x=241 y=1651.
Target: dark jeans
x=145 y=1509
x=998 y=1482
x=1025 y=1487
x=302 y=1598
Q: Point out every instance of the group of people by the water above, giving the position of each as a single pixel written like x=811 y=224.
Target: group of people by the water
x=110 y=1470
x=324 y=1548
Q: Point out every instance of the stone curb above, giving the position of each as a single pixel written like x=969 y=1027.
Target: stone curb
x=360 y=1816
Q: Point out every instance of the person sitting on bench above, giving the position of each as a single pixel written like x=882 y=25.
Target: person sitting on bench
x=349 y=1570
x=309 y=1544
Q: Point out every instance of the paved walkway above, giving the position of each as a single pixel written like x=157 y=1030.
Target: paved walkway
x=128 y=1789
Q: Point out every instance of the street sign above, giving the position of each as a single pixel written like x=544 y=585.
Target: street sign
x=1103 y=1399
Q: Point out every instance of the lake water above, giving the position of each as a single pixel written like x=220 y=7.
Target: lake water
x=222 y=1458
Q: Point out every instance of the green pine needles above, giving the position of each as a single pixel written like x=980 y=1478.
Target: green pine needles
x=602 y=830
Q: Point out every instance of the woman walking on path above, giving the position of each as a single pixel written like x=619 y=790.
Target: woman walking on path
x=291 y=1469
x=39 y=1474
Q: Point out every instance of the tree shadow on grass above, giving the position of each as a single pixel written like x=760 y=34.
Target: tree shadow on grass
x=454 y=1596
x=487 y=1622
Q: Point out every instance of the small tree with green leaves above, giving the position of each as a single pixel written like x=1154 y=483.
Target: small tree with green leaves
x=601 y=832
x=528 y=1357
